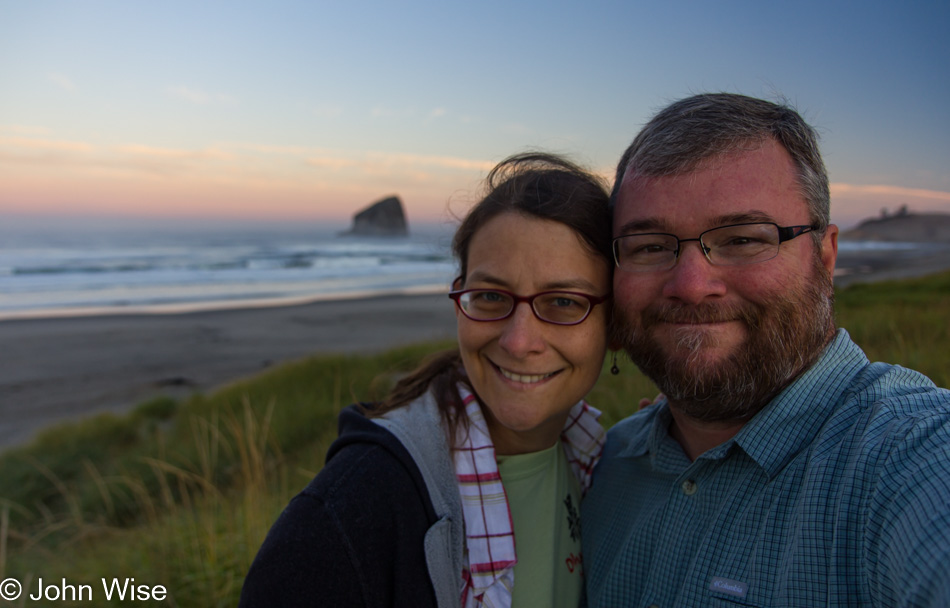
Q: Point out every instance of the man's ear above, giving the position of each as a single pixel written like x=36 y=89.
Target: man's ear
x=829 y=249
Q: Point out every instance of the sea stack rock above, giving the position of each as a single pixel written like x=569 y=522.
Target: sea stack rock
x=382 y=218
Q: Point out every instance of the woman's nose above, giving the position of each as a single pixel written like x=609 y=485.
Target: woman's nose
x=523 y=331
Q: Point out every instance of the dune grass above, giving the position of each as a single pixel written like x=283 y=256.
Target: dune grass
x=182 y=493
x=904 y=322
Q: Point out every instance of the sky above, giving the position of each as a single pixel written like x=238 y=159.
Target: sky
x=309 y=111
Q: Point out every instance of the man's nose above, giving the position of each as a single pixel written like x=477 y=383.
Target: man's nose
x=522 y=333
x=693 y=278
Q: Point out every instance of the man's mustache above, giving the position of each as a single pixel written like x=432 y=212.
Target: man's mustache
x=700 y=313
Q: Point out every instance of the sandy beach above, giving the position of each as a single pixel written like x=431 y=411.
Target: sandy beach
x=57 y=369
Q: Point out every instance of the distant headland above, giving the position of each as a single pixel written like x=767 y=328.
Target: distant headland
x=902 y=226
x=383 y=218
x=881 y=250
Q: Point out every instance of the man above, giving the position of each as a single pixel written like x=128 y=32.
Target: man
x=782 y=468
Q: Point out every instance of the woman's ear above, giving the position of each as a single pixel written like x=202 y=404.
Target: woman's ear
x=614 y=342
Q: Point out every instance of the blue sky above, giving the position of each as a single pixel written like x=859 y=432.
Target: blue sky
x=310 y=110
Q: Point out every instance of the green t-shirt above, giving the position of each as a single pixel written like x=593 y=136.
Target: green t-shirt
x=544 y=499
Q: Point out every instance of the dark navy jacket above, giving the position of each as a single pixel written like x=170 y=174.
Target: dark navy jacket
x=356 y=535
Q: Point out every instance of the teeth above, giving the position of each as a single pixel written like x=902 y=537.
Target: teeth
x=523 y=378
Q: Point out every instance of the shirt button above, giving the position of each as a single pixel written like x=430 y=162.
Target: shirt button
x=689 y=487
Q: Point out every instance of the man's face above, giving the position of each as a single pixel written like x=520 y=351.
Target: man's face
x=720 y=341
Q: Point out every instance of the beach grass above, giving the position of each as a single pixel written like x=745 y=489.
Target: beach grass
x=181 y=493
x=904 y=322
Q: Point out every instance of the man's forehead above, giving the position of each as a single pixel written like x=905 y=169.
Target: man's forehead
x=761 y=152
x=757 y=185
x=709 y=161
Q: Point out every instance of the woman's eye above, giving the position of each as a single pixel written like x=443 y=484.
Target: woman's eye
x=486 y=299
x=563 y=302
x=490 y=296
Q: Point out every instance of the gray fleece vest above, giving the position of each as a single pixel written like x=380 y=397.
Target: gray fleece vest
x=419 y=428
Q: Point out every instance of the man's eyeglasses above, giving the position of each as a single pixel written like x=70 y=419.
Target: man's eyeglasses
x=557 y=307
x=732 y=245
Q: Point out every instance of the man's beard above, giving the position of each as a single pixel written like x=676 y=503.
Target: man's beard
x=784 y=336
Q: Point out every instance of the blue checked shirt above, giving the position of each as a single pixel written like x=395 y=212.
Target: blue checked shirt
x=836 y=494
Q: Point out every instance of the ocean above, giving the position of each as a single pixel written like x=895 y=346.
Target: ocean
x=89 y=266
x=103 y=267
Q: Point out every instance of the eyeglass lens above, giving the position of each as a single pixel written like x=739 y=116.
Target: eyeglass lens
x=553 y=307
x=727 y=246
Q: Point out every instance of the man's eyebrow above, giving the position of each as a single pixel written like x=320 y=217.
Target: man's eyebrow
x=746 y=217
x=644 y=225
x=658 y=225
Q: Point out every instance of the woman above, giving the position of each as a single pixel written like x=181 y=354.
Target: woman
x=424 y=496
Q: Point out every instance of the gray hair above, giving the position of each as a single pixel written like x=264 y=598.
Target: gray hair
x=697 y=128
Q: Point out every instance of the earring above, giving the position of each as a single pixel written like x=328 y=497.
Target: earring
x=613 y=368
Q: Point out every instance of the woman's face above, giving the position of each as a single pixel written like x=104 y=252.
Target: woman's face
x=526 y=372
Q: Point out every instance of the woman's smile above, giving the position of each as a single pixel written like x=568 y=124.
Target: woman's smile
x=523 y=378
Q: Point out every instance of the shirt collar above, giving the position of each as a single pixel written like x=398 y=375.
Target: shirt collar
x=791 y=420
x=776 y=434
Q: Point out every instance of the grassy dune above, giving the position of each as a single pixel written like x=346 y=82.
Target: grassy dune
x=182 y=493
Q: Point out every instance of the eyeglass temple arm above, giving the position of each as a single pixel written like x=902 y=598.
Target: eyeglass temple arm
x=789 y=232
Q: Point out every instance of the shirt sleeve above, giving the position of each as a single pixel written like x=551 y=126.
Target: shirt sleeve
x=908 y=527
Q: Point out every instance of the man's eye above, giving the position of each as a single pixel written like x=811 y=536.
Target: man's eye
x=652 y=248
x=648 y=250
x=742 y=241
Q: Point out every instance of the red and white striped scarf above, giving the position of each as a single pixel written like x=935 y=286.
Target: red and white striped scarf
x=489 y=531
